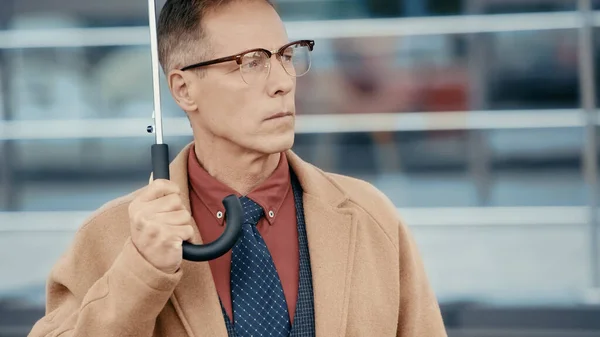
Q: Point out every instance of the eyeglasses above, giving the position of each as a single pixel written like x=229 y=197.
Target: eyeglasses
x=255 y=64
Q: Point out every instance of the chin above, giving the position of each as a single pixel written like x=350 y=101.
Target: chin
x=275 y=143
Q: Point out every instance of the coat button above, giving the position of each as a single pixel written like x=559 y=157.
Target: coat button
x=219 y=215
x=271 y=214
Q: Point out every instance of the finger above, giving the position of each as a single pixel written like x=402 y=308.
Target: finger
x=165 y=204
x=177 y=218
x=178 y=234
x=159 y=188
x=185 y=233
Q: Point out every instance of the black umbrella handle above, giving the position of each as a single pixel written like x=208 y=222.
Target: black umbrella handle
x=233 y=214
x=160 y=161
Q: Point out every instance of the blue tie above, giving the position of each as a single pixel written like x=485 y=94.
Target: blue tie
x=259 y=306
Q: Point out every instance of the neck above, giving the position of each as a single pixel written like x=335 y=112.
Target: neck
x=241 y=170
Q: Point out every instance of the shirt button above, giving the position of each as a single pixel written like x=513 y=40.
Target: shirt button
x=219 y=215
x=271 y=214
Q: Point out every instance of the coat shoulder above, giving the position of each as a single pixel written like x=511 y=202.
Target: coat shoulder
x=365 y=196
x=110 y=215
x=104 y=232
x=96 y=244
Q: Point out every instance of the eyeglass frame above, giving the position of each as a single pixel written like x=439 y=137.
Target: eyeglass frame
x=238 y=57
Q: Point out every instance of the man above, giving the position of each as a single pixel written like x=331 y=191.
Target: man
x=320 y=254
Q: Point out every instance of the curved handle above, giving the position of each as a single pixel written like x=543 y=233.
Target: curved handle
x=233 y=230
x=233 y=214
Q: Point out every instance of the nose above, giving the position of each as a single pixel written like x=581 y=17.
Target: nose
x=279 y=81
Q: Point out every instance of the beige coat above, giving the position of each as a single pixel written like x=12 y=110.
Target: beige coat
x=368 y=277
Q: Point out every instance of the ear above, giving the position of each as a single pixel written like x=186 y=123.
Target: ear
x=181 y=85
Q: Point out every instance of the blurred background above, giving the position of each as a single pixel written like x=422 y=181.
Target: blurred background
x=477 y=118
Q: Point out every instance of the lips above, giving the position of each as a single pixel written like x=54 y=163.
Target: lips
x=279 y=115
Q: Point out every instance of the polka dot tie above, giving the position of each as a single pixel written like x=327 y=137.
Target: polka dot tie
x=259 y=306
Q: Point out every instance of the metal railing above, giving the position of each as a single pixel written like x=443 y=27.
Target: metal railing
x=322 y=29
x=326 y=123
x=539 y=216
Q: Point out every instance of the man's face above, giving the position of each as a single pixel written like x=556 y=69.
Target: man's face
x=226 y=108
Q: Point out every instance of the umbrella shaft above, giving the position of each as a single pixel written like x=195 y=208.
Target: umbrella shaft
x=158 y=129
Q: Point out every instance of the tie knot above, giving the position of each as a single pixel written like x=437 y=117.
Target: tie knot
x=252 y=211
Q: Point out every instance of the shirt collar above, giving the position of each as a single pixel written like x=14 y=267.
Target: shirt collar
x=269 y=195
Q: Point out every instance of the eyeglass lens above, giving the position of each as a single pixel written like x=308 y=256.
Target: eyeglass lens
x=295 y=59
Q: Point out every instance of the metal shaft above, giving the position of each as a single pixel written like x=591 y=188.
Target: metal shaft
x=158 y=129
x=9 y=190
x=588 y=101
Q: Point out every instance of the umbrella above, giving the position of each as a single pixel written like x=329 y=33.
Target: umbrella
x=160 y=167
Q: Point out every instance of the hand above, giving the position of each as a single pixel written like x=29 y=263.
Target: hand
x=159 y=224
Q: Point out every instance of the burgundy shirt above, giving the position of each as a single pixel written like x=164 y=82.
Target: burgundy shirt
x=279 y=232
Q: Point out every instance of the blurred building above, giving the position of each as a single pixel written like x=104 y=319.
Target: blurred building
x=468 y=114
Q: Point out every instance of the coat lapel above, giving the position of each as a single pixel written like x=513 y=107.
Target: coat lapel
x=197 y=302
x=331 y=237
x=331 y=231
x=195 y=298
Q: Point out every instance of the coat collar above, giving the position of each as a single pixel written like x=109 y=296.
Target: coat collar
x=331 y=230
x=313 y=180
